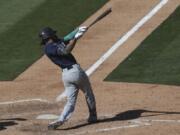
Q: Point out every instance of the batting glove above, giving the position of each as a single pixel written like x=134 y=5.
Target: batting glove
x=78 y=35
x=82 y=29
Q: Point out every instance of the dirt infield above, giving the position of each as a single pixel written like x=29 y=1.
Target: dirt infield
x=123 y=108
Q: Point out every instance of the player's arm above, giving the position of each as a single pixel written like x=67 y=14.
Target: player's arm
x=69 y=47
x=63 y=49
x=70 y=41
x=70 y=36
x=77 y=33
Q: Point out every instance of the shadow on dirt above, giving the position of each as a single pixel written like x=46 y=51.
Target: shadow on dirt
x=4 y=123
x=127 y=115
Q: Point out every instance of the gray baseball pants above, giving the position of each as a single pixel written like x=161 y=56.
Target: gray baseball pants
x=75 y=79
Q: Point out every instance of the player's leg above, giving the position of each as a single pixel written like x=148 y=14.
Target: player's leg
x=85 y=86
x=71 y=91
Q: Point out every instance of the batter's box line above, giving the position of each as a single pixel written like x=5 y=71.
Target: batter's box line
x=105 y=129
x=155 y=120
x=24 y=101
x=133 y=124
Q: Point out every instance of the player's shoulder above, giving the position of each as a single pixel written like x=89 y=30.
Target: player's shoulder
x=48 y=48
x=54 y=45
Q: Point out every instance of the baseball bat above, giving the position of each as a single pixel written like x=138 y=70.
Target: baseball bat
x=105 y=13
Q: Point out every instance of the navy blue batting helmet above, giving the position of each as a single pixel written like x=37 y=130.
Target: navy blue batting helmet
x=47 y=32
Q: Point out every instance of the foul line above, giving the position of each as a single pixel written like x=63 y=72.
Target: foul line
x=126 y=36
x=22 y=101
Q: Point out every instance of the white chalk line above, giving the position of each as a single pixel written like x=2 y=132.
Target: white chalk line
x=133 y=124
x=47 y=117
x=163 y=121
x=23 y=101
x=105 y=129
x=125 y=37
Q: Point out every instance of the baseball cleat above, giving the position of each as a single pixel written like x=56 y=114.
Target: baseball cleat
x=54 y=125
x=92 y=119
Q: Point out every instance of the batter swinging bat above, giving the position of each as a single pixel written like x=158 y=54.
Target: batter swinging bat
x=106 y=12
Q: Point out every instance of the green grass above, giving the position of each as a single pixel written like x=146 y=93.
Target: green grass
x=157 y=59
x=12 y=11
x=23 y=19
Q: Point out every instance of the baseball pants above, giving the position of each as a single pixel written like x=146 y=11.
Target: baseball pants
x=75 y=79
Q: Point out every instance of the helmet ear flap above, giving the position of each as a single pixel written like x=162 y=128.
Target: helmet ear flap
x=44 y=41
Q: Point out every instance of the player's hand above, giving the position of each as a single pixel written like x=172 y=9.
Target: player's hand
x=82 y=29
x=78 y=35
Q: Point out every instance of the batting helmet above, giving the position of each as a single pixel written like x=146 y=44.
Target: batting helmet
x=46 y=33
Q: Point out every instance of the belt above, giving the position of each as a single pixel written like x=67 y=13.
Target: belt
x=69 y=67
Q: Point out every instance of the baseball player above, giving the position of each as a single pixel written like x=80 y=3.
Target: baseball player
x=74 y=78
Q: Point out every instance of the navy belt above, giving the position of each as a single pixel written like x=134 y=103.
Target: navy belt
x=69 y=67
